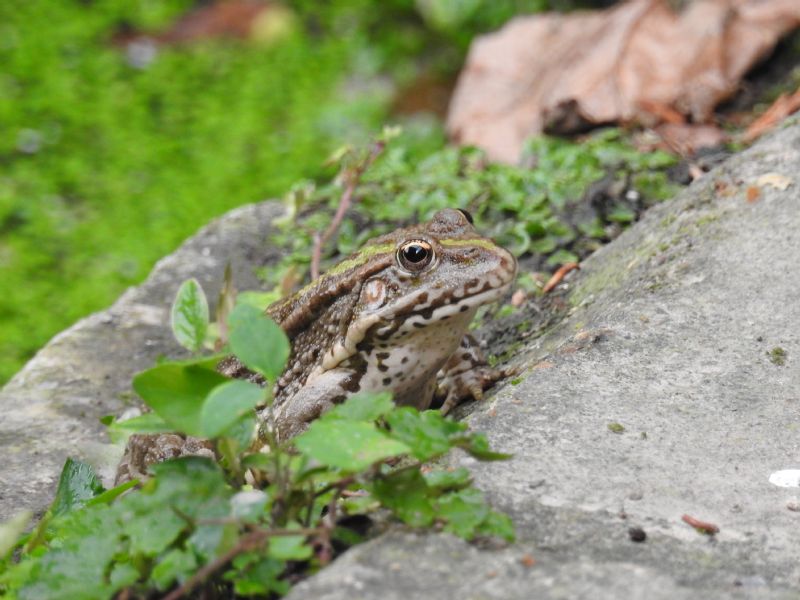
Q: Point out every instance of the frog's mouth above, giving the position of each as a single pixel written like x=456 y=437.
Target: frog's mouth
x=449 y=305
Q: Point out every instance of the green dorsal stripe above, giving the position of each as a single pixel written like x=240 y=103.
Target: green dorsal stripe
x=481 y=242
x=366 y=253
x=359 y=259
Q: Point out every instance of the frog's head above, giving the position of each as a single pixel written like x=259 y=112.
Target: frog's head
x=437 y=271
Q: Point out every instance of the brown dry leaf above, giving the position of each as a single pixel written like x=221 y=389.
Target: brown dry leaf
x=687 y=138
x=636 y=61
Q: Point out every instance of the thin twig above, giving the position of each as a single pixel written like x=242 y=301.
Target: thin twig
x=325 y=554
x=249 y=542
x=352 y=177
x=701 y=526
x=341 y=484
x=558 y=276
x=252 y=541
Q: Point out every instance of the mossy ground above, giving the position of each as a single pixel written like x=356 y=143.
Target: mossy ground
x=105 y=167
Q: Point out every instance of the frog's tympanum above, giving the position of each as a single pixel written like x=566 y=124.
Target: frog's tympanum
x=393 y=316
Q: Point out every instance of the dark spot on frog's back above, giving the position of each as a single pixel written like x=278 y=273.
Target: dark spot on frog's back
x=382 y=355
x=387 y=380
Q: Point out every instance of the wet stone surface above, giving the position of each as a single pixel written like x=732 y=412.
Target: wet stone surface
x=660 y=395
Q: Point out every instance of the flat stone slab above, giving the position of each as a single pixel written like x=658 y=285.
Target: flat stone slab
x=52 y=408
x=670 y=346
x=659 y=395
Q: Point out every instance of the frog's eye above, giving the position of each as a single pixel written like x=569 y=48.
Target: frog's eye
x=415 y=256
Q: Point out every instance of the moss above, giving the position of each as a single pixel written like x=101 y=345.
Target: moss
x=706 y=219
x=668 y=220
x=777 y=356
x=616 y=428
x=107 y=167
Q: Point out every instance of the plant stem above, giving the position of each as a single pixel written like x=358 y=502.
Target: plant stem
x=352 y=176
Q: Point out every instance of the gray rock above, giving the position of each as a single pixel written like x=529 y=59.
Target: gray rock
x=670 y=338
x=51 y=409
x=669 y=341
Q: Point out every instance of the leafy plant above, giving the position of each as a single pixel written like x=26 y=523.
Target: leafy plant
x=538 y=210
x=266 y=513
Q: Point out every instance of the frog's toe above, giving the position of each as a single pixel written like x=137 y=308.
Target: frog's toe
x=143 y=450
x=456 y=388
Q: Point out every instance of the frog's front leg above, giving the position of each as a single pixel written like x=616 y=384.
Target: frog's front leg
x=145 y=449
x=466 y=375
x=318 y=395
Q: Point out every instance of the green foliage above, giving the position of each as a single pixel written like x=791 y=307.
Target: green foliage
x=108 y=166
x=176 y=391
x=537 y=209
x=77 y=484
x=259 y=343
x=197 y=523
x=189 y=316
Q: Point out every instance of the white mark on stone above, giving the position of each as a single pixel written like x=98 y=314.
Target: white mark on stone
x=786 y=478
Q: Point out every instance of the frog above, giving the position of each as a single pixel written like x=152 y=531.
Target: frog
x=393 y=316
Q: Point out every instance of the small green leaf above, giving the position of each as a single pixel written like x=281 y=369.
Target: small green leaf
x=258 y=342
x=428 y=434
x=189 y=317
x=359 y=505
x=77 y=484
x=347 y=445
x=364 y=406
x=448 y=480
x=176 y=565
x=227 y=403
x=622 y=214
x=123 y=575
x=478 y=446
x=260 y=300
x=182 y=493
x=177 y=391
x=78 y=567
x=561 y=257
x=407 y=495
x=463 y=511
x=146 y=423
x=241 y=433
x=289 y=547
x=249 y=505
x=256 y=575
x=11 y=530
x=497 y=524
x=109 y=495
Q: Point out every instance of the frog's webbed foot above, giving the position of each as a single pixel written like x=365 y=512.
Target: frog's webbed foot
x=144 y=450
x=466 y=375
